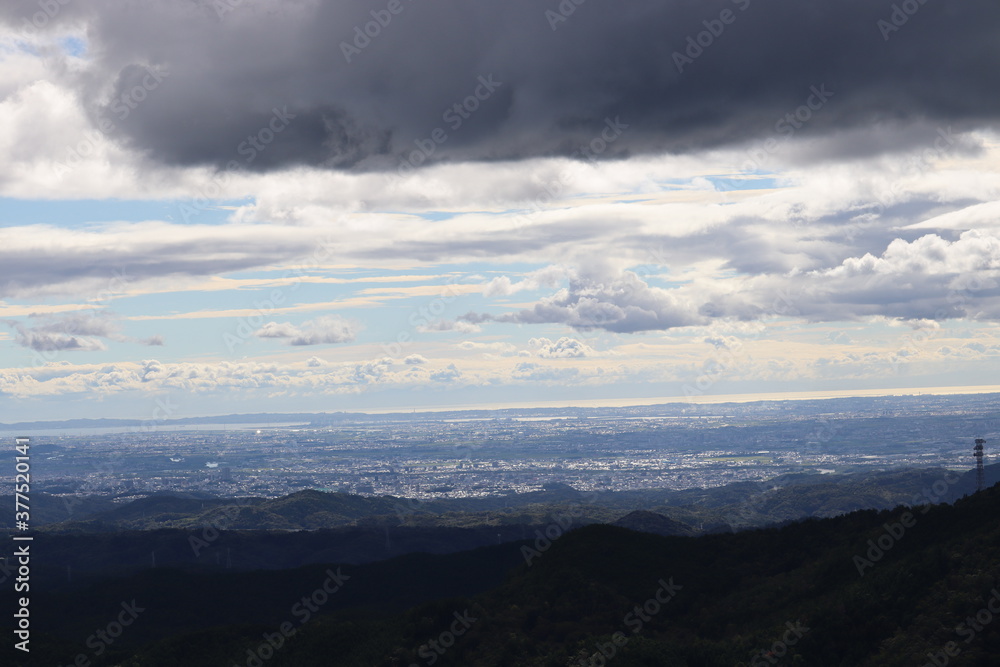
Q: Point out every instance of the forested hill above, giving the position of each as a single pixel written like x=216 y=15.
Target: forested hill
x=895 y=587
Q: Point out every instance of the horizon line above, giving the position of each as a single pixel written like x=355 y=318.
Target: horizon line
x=705 y=399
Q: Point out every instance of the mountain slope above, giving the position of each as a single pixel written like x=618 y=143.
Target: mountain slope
x=869 y=588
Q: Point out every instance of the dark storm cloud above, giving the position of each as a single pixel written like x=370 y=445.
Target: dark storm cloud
x=546 y=86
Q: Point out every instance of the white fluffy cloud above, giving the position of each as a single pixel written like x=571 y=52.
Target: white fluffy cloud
x=326 y=330
x=623 y=303
x=564 y=348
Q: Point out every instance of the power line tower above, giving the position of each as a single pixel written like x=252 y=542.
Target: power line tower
x=980 y=473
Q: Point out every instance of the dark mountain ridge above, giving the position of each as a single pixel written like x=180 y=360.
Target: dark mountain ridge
x=892 y=587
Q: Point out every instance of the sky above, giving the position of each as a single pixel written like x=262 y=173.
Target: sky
x=220 y=206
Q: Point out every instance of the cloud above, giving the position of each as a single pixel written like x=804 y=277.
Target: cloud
x=923 y=281
x=326 y=330
x=878 y=204
x=446 y=325
x=524 y=84
x=307 y=377
x=500 y=286
x=722 y=342
x=56 y=342
x=920 y=282
x=415 y=360
x=371 y=372
x=564 y=348
x=109 y=259
x=549 y=276
x=818 y=218
x=623 y=304
x=77 y=332
x=100 y=324
x=532 y=372
x=448 y=375
x=492 y=348
x=658 y=364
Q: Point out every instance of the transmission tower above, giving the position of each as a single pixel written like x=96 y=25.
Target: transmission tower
x=980 y=473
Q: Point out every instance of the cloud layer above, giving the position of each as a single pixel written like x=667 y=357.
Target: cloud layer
x=802 y=192
x=509 y=81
